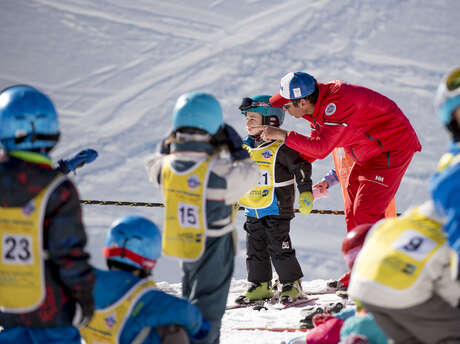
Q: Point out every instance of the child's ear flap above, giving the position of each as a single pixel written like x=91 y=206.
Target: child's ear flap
x=271 y=120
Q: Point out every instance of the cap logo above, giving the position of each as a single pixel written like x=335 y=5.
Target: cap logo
x=297 y=92
x=330 y=109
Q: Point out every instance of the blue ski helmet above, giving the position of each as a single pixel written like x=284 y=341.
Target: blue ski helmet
x=198 y=110
x=28 y=119
x=448 y=96
x=133 y=240
x=261 y=104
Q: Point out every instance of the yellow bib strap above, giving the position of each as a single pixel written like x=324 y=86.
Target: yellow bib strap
x=263 y=194
x=185 y=224
x=22 y=272
x=397 y=250
x=107 y=324
x=447 y=160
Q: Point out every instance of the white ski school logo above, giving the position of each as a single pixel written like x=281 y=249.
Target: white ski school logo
x=330 y=109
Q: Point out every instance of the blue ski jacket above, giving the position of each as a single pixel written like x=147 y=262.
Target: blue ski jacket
x=445 y=191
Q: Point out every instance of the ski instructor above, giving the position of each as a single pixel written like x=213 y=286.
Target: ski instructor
x=369 y=126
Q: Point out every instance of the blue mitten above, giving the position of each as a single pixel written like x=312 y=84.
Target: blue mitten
x=235 y=144
x=203 y=331
x=83 y=157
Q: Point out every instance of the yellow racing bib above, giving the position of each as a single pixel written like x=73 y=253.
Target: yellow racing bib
x=22 y=279
x=185 y=224
x=262 y=195
x=397 y=250
x=107 y=324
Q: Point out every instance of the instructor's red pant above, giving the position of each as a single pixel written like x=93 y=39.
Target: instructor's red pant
x=372 y=185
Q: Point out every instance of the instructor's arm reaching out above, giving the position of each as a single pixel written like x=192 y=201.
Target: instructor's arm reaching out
x=270 y=133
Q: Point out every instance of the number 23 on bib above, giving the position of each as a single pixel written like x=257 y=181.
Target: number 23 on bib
x=185 y=222
x=22 y=280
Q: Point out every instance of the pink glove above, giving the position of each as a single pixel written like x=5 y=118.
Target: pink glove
x=320 y=190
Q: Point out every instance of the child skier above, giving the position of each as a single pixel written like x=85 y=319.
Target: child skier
x=129 y=309
x=445 y=184
x=402 y=276
x=44 y=270
x=269 y=206
x=199 y=187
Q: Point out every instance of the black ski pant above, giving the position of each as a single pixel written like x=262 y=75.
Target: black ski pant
x=268 y=242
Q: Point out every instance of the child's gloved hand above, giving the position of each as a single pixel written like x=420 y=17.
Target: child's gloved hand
x=235 y=144
x=203 y=331
x=83 y=157
x=319 y=319
x=320 y=190
x=305 y=202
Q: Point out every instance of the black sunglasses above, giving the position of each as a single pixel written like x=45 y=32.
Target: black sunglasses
x=248 y=103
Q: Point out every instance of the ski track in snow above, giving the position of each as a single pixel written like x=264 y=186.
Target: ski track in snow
x=115 y=68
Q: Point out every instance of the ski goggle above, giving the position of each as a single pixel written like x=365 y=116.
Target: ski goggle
x=447 y=91
x=453 y=81
x=248 y=104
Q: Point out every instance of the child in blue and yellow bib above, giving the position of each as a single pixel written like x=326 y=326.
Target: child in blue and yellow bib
x=129 y=307
x=45 y=270
x=445 y=183
x=270 y=205
x=200 y=186
x=402 y=276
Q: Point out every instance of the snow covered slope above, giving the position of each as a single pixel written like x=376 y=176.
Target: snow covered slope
x=114 y=69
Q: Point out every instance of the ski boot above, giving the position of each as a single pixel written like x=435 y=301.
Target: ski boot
x=291 y=292
x=341 y=283
x=334 y=307
x=342 y=293
x=308 y=314
x=258 y=291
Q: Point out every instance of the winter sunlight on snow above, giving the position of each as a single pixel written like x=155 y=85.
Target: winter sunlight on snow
x=115 y=68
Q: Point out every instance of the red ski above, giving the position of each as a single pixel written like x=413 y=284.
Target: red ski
x=298 y=303
x=276 y=329
x=259 y=303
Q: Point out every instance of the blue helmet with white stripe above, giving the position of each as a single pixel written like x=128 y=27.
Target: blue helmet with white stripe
x=198 y=110
x=28 y=119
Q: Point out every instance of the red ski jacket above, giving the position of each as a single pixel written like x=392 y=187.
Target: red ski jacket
x=359 y=119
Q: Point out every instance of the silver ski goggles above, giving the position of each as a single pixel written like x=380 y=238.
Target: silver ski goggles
x=248 y=104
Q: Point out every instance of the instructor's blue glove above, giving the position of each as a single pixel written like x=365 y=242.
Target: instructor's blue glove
x=203 y=331
x=83 y=157
x=306 y=202
x=235 y=144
